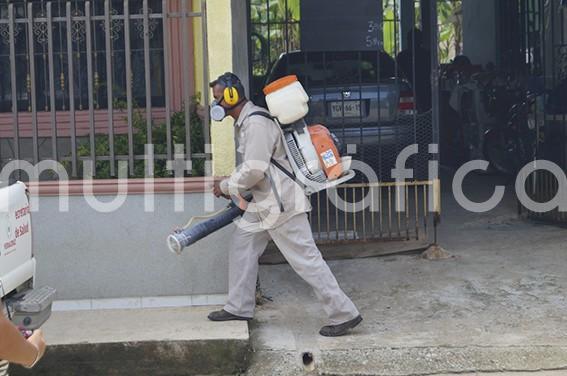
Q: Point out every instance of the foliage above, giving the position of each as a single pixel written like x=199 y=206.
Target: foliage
x=266 y=48
x=284 y=34
x=450 y=29
x=159 y=140
x=450 y=23
x=389 y=31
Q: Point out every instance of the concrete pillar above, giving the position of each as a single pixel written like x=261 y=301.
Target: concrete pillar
x=228 y=51
x=479 y=31
x=240 y=42
x=407 y=13
x=426 y=26
x=180 y=70
x=198 y=48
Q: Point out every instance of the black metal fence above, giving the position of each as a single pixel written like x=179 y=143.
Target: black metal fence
x=369 y=83
x=371 y=86
x=404 y=211
x=543 y=59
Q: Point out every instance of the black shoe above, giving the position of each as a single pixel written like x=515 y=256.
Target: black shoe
x=223 y=315
x=340 y=329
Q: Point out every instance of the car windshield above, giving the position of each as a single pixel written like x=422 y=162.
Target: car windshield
x=318 y=69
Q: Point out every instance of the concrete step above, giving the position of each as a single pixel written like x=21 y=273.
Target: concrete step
x=172 y=341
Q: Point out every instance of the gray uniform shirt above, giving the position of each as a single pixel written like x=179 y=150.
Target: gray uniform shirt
x=277 y=197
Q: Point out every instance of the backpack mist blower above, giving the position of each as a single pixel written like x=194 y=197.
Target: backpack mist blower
x=191 y=234
x=311 y=151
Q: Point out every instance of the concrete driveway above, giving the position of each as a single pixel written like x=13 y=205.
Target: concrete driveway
x=498 y=305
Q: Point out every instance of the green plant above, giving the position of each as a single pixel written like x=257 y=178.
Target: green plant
x=450 y=29
x=390 y=30
x=284 y=32
x=159 y=140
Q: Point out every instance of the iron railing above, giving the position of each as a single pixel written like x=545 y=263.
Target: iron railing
x=98 y=80
x=543 y=187
x=373 y=219
x=544 y=57
x=390 y=211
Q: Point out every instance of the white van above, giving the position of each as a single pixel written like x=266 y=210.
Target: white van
x=27 y=307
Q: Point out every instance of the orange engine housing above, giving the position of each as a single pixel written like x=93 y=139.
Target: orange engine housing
x=329 y=157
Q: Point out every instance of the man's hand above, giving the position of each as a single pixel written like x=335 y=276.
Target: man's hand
x=218 y=192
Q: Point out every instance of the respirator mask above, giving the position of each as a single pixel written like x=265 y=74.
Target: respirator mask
x=217 y=112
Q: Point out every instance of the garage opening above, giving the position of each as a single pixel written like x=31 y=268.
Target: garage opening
x=482 y=80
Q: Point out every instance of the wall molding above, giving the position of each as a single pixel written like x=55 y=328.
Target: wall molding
x=140 y=302
x=108 y=187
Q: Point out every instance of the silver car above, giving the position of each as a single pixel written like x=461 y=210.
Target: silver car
x=355 y=94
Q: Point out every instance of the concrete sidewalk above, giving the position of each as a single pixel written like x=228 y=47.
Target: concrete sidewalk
x=176 y=341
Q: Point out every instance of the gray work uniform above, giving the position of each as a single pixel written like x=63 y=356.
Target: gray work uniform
x=279 y=211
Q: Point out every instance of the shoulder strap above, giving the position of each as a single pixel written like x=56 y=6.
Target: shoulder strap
x=289 y=174
x=275 y=163
x=283 y=169
x=263 y=114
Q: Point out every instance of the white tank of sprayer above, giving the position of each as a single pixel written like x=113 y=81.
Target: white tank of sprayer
x=289 y=103
x=311 y=150
x=287 y=100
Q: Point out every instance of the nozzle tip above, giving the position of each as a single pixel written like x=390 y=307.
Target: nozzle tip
x=174 y=245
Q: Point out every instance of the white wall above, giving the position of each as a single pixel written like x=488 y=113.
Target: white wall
x=89 y=255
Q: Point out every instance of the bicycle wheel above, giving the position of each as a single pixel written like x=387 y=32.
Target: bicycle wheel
x=502 y=150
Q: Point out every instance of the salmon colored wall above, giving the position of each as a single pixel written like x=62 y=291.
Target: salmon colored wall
x=198 y=48
x=179 y=67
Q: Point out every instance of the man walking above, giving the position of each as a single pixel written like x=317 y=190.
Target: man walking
x=277 y=211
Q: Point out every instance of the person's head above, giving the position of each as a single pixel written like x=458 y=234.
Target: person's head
x=229 y=96
x=414 y=35
x=461 y=61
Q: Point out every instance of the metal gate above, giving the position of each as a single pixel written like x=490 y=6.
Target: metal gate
x=539 y=53
x=372 y=219
x=98 y=80
x=373 y=87
x=375 y=98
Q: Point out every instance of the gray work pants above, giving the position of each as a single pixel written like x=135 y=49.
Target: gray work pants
x=295 y=241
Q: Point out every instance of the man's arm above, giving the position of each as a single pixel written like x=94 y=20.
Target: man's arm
x=15 y=348
x=260 y=139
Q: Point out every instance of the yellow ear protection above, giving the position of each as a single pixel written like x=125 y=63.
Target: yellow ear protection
x=231 y=93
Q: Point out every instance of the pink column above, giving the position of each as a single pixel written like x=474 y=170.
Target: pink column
x=178 y=71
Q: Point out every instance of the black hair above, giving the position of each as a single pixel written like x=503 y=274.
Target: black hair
x=227 y=79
